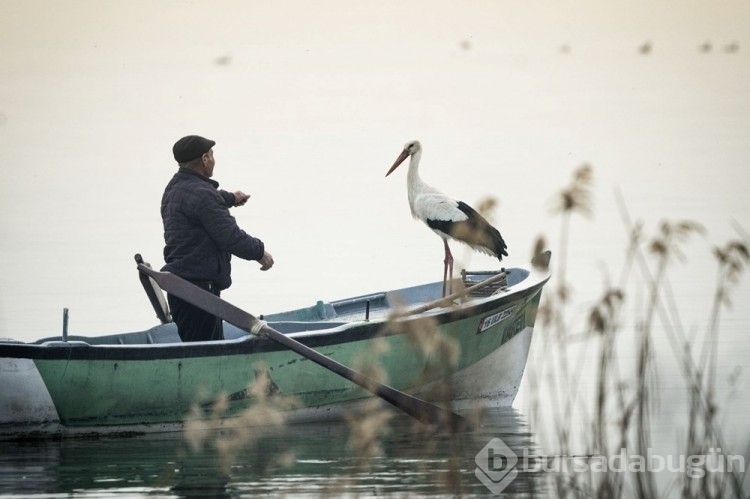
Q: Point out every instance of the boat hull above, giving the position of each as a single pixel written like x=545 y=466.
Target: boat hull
x=24 y=394
x=469 y=356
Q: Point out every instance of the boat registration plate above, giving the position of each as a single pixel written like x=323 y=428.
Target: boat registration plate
x=494 y=319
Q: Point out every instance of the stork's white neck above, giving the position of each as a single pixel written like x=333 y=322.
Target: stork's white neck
x=414 y=184
x=413 y=175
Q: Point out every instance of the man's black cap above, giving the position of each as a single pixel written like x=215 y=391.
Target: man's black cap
x=191 y=147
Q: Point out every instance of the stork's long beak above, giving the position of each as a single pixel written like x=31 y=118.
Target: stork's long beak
x=404 y=154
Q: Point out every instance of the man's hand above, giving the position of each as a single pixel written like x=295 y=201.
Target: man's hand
x=240 y=198
x=267 y=261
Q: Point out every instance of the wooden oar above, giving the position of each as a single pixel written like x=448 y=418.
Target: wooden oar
x=419 y=409
x=447 y=301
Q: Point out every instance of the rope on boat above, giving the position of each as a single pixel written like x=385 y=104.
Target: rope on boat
x=259 y=324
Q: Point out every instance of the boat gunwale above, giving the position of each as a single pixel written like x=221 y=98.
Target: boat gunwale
x=249 y=345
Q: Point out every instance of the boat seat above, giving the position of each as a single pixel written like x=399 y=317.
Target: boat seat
x=488 y=290
x=321 y=311
x=163 y=333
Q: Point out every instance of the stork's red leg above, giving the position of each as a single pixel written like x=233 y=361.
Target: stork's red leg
x=445 y=276
x=448 y=263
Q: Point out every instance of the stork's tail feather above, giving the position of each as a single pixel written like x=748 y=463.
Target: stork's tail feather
x=501 y=249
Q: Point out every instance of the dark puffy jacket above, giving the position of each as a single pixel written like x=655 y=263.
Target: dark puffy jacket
x=200 y=235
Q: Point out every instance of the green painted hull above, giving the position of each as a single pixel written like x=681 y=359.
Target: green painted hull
x=97 y=385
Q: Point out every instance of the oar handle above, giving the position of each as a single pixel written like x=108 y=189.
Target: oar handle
x=153 y=292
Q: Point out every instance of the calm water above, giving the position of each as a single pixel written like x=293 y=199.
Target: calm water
x=314 y=459
x=309 y=107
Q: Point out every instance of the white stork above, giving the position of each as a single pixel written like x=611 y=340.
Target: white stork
x=447 y=217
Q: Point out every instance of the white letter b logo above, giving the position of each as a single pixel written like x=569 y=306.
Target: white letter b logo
x=496 y=465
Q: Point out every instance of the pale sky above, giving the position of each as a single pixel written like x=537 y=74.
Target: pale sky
x=309 y=103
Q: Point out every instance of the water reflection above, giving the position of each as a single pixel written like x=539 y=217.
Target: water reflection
x=302 y=459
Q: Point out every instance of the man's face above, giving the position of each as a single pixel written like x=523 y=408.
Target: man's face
x=209 y=163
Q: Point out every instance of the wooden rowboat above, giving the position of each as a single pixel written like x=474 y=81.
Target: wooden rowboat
x=150 y=381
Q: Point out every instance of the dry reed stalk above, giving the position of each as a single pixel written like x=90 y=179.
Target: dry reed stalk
x=627 y=403
x=230 y=433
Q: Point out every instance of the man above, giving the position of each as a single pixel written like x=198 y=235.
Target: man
x=201 y=236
